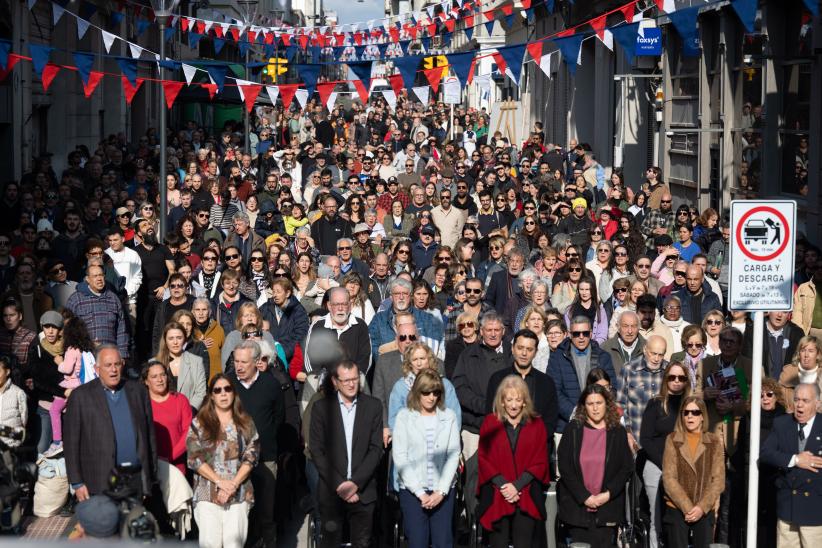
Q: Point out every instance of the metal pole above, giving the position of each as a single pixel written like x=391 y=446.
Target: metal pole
x=247 y=113
x=161 y=103
x=756 y=412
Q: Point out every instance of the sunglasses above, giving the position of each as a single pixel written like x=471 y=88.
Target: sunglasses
x=580 y=334
x=643 y=266
x=603 y=250
x=257 y=259
x=403 y=338
x=694 y=345
x=665 y=201
x=403 y=251
x=232 y=257
x=530 y=223
x=57 y=270
x=681 y=273
x=437 y=393
x=621 y=254
x=575 y=269
x=621 y=290
x=691 y=412
x=768 y=394
x=204 y=215
x=714 y=322
x=228 y=389
x=177 y=286
x=680 y=378
x=462 y=326
x=211 y=258
x=596 y=233
x=251 y=334
x=344 y=248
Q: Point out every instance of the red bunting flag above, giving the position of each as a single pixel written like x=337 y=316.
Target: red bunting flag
x=507 y=9
x=218 y=31
x=432 y=29
x=235 y=33
x=489 y=15
x=395 y=34
x=500 y=61
x=303 y=39
x=325 y=90
x=49 y=72
x=200 y=26
x=171 y=90
x=628 y=11
x=598 y=24
x=184 y=23
x=287 y=92
x=358 y=38
x=210 y=88
x=396 y=83
x=450 y=24
x=251 y=36
x=471 y=70
x=269 y=38
x=130 y=91
x=94 y=78
x=13 y=59
x=250 y=93
x=566 y=32
x=434 y=76
x=469 y=21
x=286 y=39
x=526 y=4
x=535 y=50
x=361 y=91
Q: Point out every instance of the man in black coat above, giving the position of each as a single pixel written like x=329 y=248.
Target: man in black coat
x=780 y=342
x=108 y=423
x=345 y=443
x=541 y=387
x=504 y=284
x=329 y=228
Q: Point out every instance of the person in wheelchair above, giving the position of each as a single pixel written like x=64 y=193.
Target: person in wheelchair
x=426 y=452
x=513 y=467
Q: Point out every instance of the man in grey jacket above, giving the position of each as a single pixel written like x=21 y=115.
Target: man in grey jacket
x=719 y=259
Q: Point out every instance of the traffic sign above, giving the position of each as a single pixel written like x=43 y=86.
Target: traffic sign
x=763 y=236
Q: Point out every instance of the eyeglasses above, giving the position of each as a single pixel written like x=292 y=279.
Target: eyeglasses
x=691 y=412
x=577 y=334
x=462 y=326
x=232 y=257
x=228 y=389
x=572 y=255
x=672 y=308
x=530 y=223
x=148 y=208
x=177 y=286
x=251 y=334
x=403 y=338
x=257 y=259
x=603 y=250
x=680 y=378
x=643 y=266
x=496 y=247
x=437 y=393
x=344 y=248
x=445 y=258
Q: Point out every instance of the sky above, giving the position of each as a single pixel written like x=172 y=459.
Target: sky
x=352 y=11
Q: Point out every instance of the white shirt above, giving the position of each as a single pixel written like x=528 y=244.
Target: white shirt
x=128 y=264
x=806 y=428
x=349 y=415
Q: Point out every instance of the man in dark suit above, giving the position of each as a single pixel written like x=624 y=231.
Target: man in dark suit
x=345 y=442
x=108 y=423
x=794 y=446
x=541 y=387
x=781 y=341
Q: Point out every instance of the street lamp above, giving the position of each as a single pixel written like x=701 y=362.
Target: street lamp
x=248 y=17
x=162 y=11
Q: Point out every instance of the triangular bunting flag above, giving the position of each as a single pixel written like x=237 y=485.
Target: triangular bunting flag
x=250 y=91
x=83 y=62
x=509 y=20
x=746 y=11
x=362 y=91
x=813 y=6
x=218 y=44
x=461 y=64
x=129 y=91
x=685 y=21
x=666 y=6
x=82 y=27
x=545 y=64
x=535 y=50
x=135 y=50
x=362 y=70
x=171 y=90
x=273 y=93
x=407 y=67
x=422 y=93
x=434 y=76
x=48 y=74
x=129 y=69
x=489 y=27
x=309 y=75
x=189 y=72
x=39 y=57
x=626 y=35
x=390 y=98
x=5 y=48
x=598 y=24
x=193 y=39
x=396 y=83
x=469 y=32
x=210 y=88
x=607 y=39
x=332 y=100
x=513 y=59
x=142 y=25
x=302 y=97
x=628 y=11
x=57 y=12
x=93 y=79
x=325 y=90
x=168 y=34
x=13 y=60
x=108 y=40
x=569 y=47
x=217 y=74
x=287 y=91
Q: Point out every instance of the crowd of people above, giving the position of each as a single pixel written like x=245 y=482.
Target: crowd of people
x=368 y=310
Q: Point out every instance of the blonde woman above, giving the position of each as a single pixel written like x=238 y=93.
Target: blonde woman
x=804 y=368
x=712 y=325
x=536 y=320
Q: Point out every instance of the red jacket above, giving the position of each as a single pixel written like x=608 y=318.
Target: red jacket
x=495 y=458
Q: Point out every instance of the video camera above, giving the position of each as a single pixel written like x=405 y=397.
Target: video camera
x=125 y=489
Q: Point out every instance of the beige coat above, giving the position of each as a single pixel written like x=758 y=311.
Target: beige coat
x=696 y=481
x=804 y=301
x=790 y=378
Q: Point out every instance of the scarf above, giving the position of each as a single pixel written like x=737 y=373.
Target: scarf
x=55 y=349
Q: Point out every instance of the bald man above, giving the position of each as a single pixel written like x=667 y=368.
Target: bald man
x=641 y=380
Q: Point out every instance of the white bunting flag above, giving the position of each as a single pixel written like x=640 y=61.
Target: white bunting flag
x=82 y=27
x=240 y=84
x=483 y=82
x=108 y=40
x=273 y=93
x=431 y=12
x=208 y=25
x=608 y=39
x=189 y=73
x=332 y=99
x=390 y=98
x=302 y=97
x=57 y=12
x=135 y=50
x=422 y=93
x=174 y=21
x=545 y=63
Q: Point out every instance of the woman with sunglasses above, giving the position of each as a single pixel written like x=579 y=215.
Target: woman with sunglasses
x=618 y=267
x=401 y=260
x=658 y=420
x=258 y=273
x=673 y=320
x=618 y=300
x=355 y=209
x=426 y=454
x=187 y=370
x=566 y=291
x=712 y=324
x=528 y=237
x=223 y=448
x=467 y=329
x=693 y=474
x=147 y=212
x=179 y=299
x=599 y=254
x=691 y=357
x=594 y=462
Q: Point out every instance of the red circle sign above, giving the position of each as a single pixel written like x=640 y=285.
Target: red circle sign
x=741 y=242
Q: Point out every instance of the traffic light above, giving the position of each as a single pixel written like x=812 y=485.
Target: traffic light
x=275 y=67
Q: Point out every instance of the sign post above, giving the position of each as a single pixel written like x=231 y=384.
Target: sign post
x=763 y=238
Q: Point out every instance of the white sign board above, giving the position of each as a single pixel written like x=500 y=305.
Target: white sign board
x=763 y=237
x=451 y=91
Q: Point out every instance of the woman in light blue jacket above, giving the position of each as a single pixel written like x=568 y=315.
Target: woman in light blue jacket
x=426 y=452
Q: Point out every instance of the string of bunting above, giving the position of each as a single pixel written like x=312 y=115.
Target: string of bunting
x=509 y=60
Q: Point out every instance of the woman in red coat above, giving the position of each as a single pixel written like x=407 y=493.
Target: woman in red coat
x=513 y=467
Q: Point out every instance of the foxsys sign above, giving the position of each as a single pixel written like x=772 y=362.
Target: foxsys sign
x=762 y=246
x=649 y=41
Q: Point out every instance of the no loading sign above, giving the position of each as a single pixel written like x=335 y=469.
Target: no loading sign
x=762 y=233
